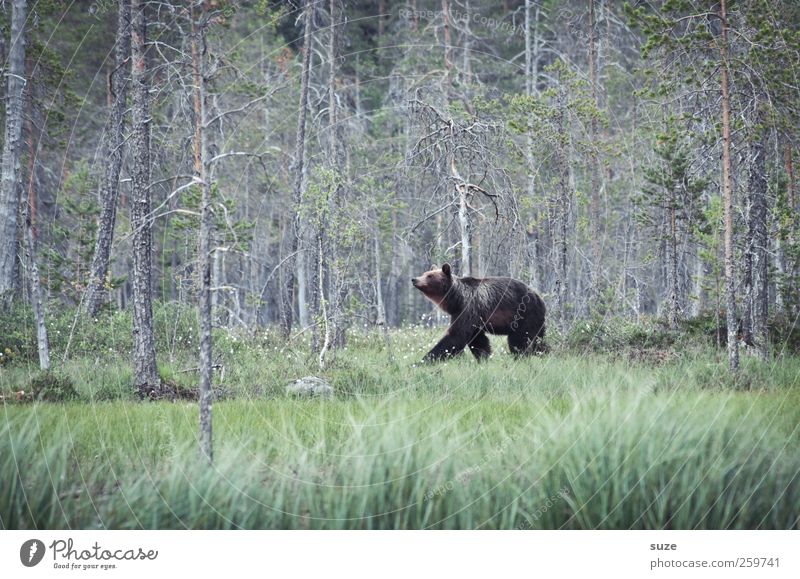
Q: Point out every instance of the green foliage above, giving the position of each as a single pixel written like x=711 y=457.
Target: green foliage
x=237 y=232
x=787 y=223
x=108 y=335
x=69 y=255
x=619 y=336
x=671 y=184
x=52 y=387
x=784 y=335
x=17 y=335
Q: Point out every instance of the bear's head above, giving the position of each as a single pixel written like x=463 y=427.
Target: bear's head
x=435 y=284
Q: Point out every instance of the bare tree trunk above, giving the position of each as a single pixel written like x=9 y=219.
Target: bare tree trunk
x=673 y=265
x=299 y=171
x=33 y=146
x=395 y=314
x=335 y=200
x=562 y=208
x=381 y=12
x=202 y=176
x=29 y=222
x=531 y=76
x=301 y=274
x=9 y=189
x=323 y=315
x=466 y=230
x=594 y=161
x=757 y=244
x=700 y=291
x=145 y=370
x=787 y=271
x=380 y=317
x=746 y=325
x=448 y=43
x=727 y=197
x=42 y=343
x=467 y=54
x=96 y=293
x=787 y=154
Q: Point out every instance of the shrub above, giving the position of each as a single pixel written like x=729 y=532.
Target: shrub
x=615 y=334
x=51 y=387
x=175 y=328
x=785 y=335
x=17 y=335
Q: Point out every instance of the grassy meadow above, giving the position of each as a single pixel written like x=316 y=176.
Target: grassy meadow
x=618 y=427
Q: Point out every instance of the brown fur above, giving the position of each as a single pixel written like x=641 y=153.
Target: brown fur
x=495 y=305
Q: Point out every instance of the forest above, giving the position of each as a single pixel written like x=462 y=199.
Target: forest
x=204 y=201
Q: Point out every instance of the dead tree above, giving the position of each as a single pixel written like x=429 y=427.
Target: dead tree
x=449 y=144
x=42 y=342
x=9 y=182
x=532 y=41
x=727 y=195
x=755 y=300
x=146 y=378
x=299 y=170
x=202 y=177
x=96 y=293
x=328 y=291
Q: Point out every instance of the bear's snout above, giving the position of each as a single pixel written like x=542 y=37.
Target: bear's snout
x=414 y=281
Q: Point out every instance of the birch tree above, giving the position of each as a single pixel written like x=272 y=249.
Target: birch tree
x=9 y=182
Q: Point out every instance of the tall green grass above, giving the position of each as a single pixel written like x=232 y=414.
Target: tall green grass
x=564 y=441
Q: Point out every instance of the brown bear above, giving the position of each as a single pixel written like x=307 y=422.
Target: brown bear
x=497 y=305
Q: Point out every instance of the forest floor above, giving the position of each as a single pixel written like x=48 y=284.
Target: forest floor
x=621 y=437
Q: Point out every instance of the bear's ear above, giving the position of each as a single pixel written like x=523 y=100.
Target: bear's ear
x=446 y=269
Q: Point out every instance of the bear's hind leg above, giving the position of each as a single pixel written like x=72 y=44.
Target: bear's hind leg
x=519 y=343
x=527 y=340
x=480 y=346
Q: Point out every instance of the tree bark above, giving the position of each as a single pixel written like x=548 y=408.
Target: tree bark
x=29 y=223
x=335 y=199
x=96 y=293
x=9 y=189
x=381 y=12
x=448 y=43
x=562 y=208
x=531 y=77
x=594 y=161
x=201 y=175
x=145 y=370
x=467 y=50
x=788 y=271
x=299 y=171
x=758 y=302
x=380 y=315
x=42 y=342
x=727 y=197
x=700 y=303
x=673 y=264
x=466 y=230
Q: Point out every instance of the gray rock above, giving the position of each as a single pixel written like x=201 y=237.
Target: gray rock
x=310 y=386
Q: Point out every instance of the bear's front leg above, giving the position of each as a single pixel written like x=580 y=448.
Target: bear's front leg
x=448 y=346
x=480 y=346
